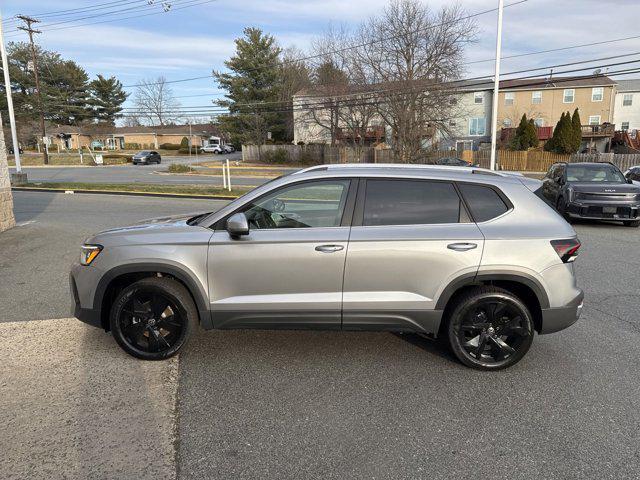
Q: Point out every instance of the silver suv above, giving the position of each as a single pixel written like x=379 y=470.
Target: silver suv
x=471 y=256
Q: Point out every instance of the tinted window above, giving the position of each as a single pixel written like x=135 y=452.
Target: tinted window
x=311 y=204
x=408 y=202
x=602 y=172
x=484 y=202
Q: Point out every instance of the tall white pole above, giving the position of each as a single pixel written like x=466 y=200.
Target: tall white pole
x=228 y=176
x=7 y=87
x=496 y=88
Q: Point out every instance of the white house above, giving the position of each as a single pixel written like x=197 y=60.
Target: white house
x=626 y=113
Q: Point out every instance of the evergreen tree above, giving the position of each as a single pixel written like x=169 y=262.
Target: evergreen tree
x=563 y=139
x=107 y=97
x=532 y=134
x=184 y=145
x=526 y=135
x=577 y=130
x=254 y=78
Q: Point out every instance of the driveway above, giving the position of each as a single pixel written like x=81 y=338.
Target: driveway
x=290 y=405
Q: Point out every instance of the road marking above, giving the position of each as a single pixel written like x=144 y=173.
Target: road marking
x=24 y=224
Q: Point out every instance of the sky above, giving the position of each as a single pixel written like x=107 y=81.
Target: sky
x=190 y=41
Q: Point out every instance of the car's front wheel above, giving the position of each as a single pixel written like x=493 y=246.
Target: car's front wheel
x=152 y=318
x=489 y=328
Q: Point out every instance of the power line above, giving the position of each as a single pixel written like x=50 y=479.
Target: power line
x=98 y=6
x=167 y=81
x=183 y=6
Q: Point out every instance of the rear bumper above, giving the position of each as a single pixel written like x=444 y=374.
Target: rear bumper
x=556 y=319
x=603 y=211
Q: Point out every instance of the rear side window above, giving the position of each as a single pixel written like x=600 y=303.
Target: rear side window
x=409 y=202
x=484 y=202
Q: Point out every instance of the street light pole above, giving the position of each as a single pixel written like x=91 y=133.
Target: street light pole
x=496 y=88
x=7 y=88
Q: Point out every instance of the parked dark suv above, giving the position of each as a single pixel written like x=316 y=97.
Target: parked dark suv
x=597 y=191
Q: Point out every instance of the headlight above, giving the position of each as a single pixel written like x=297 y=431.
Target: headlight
x=89 y=253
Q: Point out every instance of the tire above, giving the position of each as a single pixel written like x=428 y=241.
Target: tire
x=483 y=341
x=632 y=223
x=137 y=323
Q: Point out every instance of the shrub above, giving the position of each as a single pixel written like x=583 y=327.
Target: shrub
x=279 y=155
x=179 y=168
x=184 y=145
x=132 y=146
x=170 y=146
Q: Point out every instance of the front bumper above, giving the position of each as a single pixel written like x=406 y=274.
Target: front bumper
x=86 y=314
x=556 y=319
x=603 y=211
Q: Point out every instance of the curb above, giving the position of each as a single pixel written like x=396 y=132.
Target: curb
x=126 y=192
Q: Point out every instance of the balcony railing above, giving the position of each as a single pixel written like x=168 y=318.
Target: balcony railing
x=603 y=130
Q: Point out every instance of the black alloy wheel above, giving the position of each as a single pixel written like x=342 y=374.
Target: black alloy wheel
x=152 y=318
x=490 y=329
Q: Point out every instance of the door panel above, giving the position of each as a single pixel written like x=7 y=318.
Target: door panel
x=278 y=278
x=395 y=274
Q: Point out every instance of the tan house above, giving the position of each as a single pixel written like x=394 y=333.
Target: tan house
x=67 y=137
x=545 y=99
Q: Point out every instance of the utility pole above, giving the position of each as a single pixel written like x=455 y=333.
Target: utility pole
x=496 y=87
x=28 y=21
x=7 y=88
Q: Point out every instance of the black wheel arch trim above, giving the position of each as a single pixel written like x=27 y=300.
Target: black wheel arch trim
x=192 y=284
x=486 y=276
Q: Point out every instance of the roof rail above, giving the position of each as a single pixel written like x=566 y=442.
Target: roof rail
x=402 y=166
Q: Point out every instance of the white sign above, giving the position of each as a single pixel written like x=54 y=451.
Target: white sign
x=46 y=140
x=99 y=160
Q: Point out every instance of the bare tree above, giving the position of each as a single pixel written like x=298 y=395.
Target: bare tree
x=155 y=102
x=410 y=51
x=294 y=76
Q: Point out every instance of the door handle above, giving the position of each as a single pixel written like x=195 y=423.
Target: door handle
x=329 y=248
x=462 y=247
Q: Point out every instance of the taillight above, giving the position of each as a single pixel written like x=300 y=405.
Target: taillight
x=567 y=250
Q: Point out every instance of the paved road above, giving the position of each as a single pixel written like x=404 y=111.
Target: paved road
x=358 y=405
x=138 y=173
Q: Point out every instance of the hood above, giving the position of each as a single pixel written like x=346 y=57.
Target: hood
x=593 y=187
x=148 y=231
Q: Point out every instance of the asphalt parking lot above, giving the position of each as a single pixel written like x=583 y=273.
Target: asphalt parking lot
x=252 y=404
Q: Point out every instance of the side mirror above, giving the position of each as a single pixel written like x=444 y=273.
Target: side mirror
x=238 y=225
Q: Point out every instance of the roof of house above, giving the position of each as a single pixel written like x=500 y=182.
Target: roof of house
x=556 y=82
x=630 y=85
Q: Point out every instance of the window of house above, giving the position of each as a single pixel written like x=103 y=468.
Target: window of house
x=478 y=98
x=597 y=94
x=509 y=97
x=484 y=202
x=627 y=100
x=536 y=97
x=539 y=122
x=477 y=126
x=507 y=123
x=625 y=126
x=569 y=95
x=306 y=205
x=410 y=202
x=594 y=120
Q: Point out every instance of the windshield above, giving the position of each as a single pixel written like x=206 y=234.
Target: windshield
x=594 y=173
x=144 y=152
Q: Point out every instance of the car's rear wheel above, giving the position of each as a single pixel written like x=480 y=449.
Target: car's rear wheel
x=152 y=318
x=489 y=328
x=631 y=223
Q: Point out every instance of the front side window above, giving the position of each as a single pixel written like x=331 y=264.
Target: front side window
x=308 y=205
x=627 y=100
x=594 y=120
x=478 y=98
x=597 y=94
x=569 y=95
x=484 y=202
x=509 y=98
x=536 y=97
x=477 y=126
x=410 y=202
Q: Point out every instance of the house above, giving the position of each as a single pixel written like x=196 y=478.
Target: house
x=626 y=113
x=545 y=99
x=470 y=129
x=66 y=137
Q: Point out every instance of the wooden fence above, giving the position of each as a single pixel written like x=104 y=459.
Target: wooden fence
x=529 y=161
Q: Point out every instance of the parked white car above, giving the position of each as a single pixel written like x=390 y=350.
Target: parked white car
x=213 y=149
